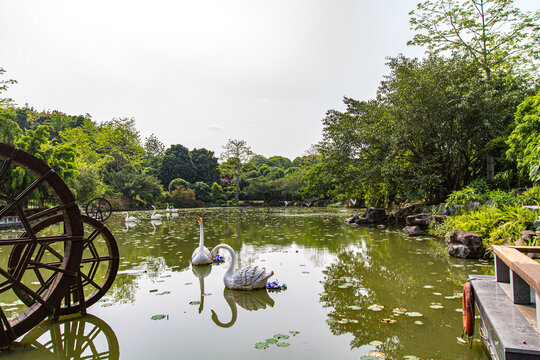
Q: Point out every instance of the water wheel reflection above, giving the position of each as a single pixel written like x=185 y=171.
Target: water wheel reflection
x=73 y=337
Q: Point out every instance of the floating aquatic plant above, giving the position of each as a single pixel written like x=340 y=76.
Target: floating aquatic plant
x=375 y=343
x=413 y=314
x=375 y=307
x=294 y=332
x=281 y=336
x=261 y=345
x=158 y=317
x=275 y=285
x=271 y=341
x=194 y=302
x=283 y=344
x=354 y=307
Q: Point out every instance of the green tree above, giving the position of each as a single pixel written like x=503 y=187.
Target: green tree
x=217 y=193
x=177 y=183
x=206 y=165
x=9 y=129
x=153 y=147
x=202 y=192
x=493 y=32
x=176 y=163
x=119 y=141
x=4 y=85
x=525 y=138
x=238 y=153
x=425 y=135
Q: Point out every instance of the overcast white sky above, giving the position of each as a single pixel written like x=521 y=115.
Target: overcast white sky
x=200 y=72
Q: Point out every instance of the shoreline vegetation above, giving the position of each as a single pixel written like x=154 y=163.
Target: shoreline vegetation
x=458 y=131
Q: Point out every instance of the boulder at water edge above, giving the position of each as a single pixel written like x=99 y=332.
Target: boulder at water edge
x=414 y=230
x=464 y=244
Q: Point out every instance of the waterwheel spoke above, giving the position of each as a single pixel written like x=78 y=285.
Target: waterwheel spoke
x=51 y=211
x=91 y=281
x=7 y=163
x=44 y=239
x=5 y=323
x=94 y=234
x=19 y=198
x=17 y=283
x=53 y=266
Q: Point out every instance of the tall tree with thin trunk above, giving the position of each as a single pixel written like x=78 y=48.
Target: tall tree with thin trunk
x=240 y=153
x=493 y=32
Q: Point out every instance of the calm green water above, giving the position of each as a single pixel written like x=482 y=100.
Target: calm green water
x=334 y=274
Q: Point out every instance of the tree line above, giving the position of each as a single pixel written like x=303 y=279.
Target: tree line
x=466 y=112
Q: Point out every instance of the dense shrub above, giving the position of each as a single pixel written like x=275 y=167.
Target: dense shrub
x=183 y=197
x=179 y=182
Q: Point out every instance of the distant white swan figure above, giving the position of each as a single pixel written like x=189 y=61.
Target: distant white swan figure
x=201 y=255
x=155 y=216
x=173 y=210
x=128 y=218
x=168 y=209
x=250 y=277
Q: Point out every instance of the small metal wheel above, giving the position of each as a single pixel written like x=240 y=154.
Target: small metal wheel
x=82 y=337
x=99 y=209
x=27 y=182
x=98 y=267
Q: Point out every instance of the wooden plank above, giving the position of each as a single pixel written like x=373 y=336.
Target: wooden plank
x=521 y=264
x=527 y=249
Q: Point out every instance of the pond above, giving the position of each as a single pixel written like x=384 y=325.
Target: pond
x=352 y=293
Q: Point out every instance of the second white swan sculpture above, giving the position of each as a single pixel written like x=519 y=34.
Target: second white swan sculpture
x=128 y=218
x=155 y=216
x=250 y=277
x=201 y=255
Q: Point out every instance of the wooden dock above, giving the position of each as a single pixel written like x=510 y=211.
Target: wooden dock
x=507 y=303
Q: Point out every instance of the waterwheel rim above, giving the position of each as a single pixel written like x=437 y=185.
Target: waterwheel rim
x=41 y=178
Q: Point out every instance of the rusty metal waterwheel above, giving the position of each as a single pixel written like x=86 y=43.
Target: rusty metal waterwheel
x=33 y=180
x=98 y=267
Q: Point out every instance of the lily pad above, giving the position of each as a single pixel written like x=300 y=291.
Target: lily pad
x=294 y=332
x=194 y=302
x=164 y=293
x=271 y=341
x=281 y=336
x=261 y=345
x=283 y=344
x=354 y=307
x=428 y=287
x=158 y=317
x=411 y=357
x=344 y=286
x=413 y=314
x=330 y=321
x=368 y=357
x=375 y=343
x=399 y=310
x=376 y=354
x=375 y=307
x=418 y=322
x=389 y=321
x=435 y=306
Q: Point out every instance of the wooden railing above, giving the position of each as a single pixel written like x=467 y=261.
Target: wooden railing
x=523 y=273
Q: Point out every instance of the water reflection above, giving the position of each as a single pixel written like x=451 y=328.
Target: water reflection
x=373 y=289
x=249 y=300
x=79 y=337
x=155 y=223
x=129 y=225
x=201 y=271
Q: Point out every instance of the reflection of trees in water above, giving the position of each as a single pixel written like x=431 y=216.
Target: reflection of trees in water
x=79 y=337
x=393 y=274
